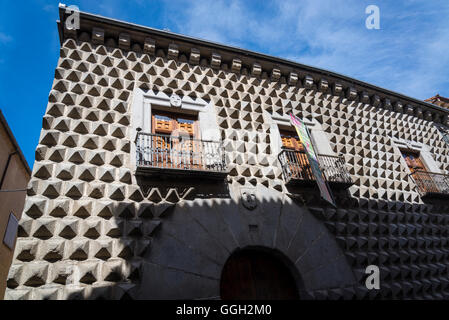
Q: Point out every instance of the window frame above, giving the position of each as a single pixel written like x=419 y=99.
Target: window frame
x=416 y=155
x=10 y=243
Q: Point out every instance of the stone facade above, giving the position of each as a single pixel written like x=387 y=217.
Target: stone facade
x=92 y=228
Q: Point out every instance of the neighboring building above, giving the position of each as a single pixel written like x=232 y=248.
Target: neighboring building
x=14 y=178
x=442 y=102
x=118 y=207
x=439 y=101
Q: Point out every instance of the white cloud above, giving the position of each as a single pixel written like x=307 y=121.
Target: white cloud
x=409 y=54
x=4 y=38
x=49 y=8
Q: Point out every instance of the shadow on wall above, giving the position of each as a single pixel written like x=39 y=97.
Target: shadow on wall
x=176 y=247
x=183 y=257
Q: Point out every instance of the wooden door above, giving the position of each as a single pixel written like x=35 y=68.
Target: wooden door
x=298 y=162
x=163 y=125
x=256 y=275
x=190 y=148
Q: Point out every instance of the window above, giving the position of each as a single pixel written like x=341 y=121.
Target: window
x=296 y=155
x=11 y=231
x=427 y=182
x=175 y=141
x=168 y=137
x=290 y=140
x=413 y=161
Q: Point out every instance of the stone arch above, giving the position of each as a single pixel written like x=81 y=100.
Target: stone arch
x=196 y=238
x=260 y=273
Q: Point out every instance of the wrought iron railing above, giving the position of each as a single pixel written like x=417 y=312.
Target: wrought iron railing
x=431 y=183
x=296 y=167
x=161 y=151
x=334 y=169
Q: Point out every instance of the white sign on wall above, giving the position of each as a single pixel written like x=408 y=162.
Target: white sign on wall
x=11 y=231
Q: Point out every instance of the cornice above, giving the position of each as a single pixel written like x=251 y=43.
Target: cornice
x=131 y=37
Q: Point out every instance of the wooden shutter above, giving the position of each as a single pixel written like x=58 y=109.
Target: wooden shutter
x=290 y=140
x=163 y=124
x=186 y=125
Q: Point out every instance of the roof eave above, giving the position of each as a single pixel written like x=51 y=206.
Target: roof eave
x=14 y=142
x=251 y=54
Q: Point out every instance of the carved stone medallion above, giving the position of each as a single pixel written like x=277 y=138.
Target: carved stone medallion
x=248 y=197
x=175 y=100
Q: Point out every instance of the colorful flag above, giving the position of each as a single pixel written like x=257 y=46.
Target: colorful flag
x=303 y=134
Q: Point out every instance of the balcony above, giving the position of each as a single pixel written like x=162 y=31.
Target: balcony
x=297 y=171
x=159 y=154
x=431 y=184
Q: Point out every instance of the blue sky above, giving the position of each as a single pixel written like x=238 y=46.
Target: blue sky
x=409 y=54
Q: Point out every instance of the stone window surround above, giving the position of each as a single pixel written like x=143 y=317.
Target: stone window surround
x=143 y=102
x=423 y=150
x=319 y=138
x=322 y=145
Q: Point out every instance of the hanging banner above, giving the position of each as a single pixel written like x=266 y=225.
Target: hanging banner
x=303 y=135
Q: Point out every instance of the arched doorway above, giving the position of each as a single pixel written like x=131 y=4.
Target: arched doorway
x=257 y=274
